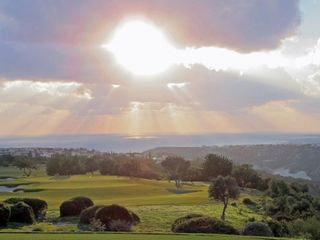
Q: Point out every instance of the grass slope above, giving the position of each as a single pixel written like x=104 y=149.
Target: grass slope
x=154 y=201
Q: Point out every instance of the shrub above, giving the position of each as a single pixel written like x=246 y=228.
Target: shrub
x=82 y=202
x=135 y=218
x=278 y=228
x=120 y=226
x=234 y=204
x=74 y=206
x=257 y=229
x=69 y=208
x=4 y=214
x=22 y=213
x=96 y=225
x=38 y=206
x=180 y=220
x=111 y=213
x=88 y=214
x=204 y=225
x=309 y=227
x=248 y=201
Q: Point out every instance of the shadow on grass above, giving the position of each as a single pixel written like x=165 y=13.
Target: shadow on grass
x=181 y=191
x=59 y=177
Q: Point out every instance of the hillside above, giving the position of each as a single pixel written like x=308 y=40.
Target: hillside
x=300 y=161
x=156 y=202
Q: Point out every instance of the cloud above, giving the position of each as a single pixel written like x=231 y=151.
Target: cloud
x=58 y=89
x=243 y=25
x=311 y=85
x=51 y=95
x=60 y=39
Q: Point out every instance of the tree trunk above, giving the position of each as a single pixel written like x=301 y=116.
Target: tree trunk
x=223 y=215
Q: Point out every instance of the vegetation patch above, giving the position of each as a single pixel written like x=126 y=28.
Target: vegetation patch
x=38 y=206
x=74 y=206
x=114 y=218
x=22 y=213
x=5 y=213
x=203 y=225
x=257 y=229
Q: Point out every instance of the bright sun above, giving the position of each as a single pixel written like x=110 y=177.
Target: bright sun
x=141 y=48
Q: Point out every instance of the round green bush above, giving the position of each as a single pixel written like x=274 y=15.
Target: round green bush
x=74 y=206
x=179 y=220
x=135 y=218
x=38 y=206
x=22 y=213
x=109 y=214
x=204 y=225
x=279 y=228
x=257 y=229
x=5 y=213
x=88 y=214
x=82 y=202
x=69 y=208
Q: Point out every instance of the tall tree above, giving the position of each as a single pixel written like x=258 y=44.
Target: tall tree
x=216 y=165
x=222 y=189
x=175 y=168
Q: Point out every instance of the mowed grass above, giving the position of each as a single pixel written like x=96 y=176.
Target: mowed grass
x=123 y=237
x=154 y=201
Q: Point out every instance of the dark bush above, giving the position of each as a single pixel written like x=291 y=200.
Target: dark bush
x=135 y=218
x=257 y=229
x=279 y=228
x=38 y=206
x=82 y=202
x=22 y=213
x=248 y=201
x=234 y=204
x=74 y=206
x=69 y=208
x=4 y=214
x=109 y=214
x=180 y=220
x=205 y=225
x=309 y=227
x=88 y=214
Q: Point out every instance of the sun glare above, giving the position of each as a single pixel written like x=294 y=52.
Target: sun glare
x=141 y=48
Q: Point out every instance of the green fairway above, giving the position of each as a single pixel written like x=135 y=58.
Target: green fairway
x=121 y=237
x=154 y=201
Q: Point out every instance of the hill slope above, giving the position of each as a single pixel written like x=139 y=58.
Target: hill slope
x=300 y=161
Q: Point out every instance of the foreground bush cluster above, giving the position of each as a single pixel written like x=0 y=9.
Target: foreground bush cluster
x=99 y=217
x=22 y=210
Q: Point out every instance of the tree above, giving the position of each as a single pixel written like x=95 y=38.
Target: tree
x=107 y=166
x=216 y=165
x=243 y=174
x=52 y=167
x=131 y=167
x=91 y=165
x=246 y=176
x=222 y=189
x=6 y=160
x=175 y=168
x=26 y=164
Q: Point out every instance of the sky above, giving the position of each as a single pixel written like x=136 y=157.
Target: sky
x=149 y=67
